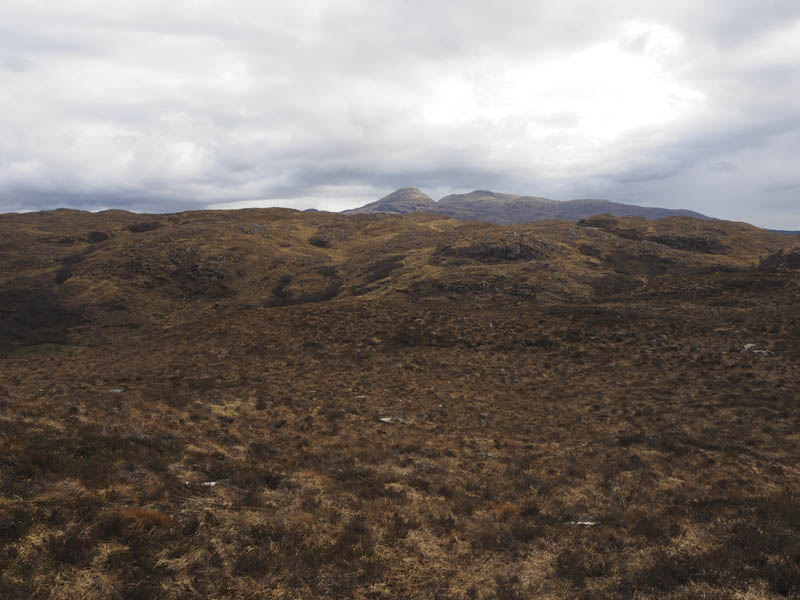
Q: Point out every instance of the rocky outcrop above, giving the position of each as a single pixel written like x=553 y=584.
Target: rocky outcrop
x=402 y=201
x=789 y=260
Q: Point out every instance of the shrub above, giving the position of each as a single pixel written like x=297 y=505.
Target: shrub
x=143 y=227
x=71 y=547
x=95 y=237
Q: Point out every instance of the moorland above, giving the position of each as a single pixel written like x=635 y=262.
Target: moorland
x=269 y=403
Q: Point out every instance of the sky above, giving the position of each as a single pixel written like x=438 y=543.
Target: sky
x=160 y=107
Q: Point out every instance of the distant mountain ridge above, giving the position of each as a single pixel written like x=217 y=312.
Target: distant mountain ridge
x=506 y=209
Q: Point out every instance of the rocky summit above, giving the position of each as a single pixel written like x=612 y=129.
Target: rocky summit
x=506 y=209
x=282 y=404
x=402 y=201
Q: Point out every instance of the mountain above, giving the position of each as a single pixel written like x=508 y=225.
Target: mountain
x=506 y=209
x=402 y=201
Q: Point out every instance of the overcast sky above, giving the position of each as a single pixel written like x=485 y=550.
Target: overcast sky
x=156 y=106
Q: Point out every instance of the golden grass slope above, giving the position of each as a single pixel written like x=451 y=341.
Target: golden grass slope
x=117 y=268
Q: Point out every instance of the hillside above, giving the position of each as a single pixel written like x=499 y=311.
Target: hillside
x=506 y=209
x=283 y=404
x=119 y=269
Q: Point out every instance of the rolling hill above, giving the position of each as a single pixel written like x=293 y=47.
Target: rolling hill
x=283 y=404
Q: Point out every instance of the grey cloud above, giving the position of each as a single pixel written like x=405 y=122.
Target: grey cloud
x=723 y=166
x=169 y=107
x=16 y=63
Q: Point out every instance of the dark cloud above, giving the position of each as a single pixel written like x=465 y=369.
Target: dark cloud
x=161 y=107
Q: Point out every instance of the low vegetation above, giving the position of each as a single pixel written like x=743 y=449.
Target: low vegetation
x=615 y=431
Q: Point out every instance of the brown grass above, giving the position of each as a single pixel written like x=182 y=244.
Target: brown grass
x=562 y=444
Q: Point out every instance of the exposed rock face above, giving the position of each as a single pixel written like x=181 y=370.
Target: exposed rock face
x=505 y=209
x=704 y=244
x=788 y=259
x=490 y=251
x=95 y=237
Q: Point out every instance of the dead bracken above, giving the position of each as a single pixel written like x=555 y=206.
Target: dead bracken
x=224 y=406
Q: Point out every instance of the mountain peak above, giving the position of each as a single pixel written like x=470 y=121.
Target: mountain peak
x=401 y=201
x=504 y=209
